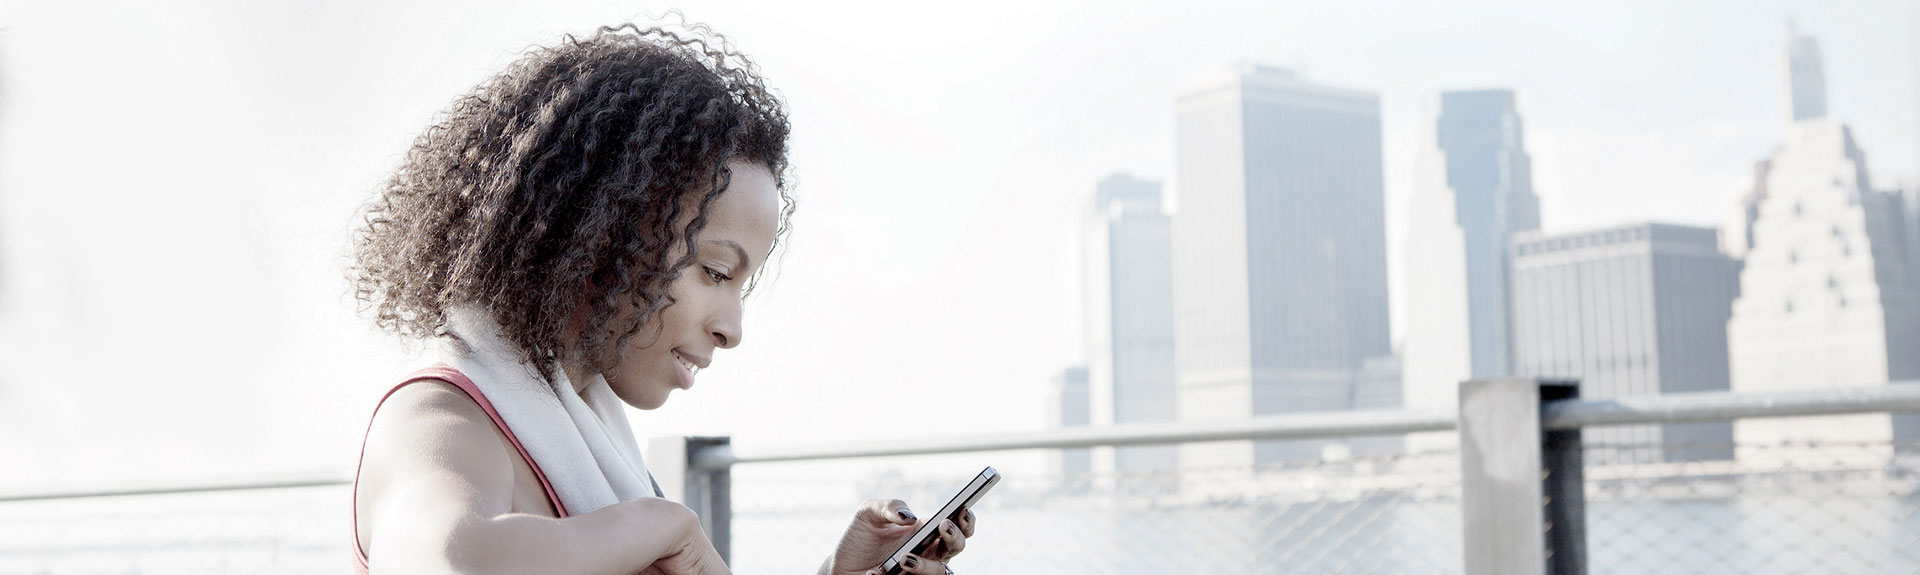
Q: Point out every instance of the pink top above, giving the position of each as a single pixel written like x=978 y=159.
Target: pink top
x=450 y=375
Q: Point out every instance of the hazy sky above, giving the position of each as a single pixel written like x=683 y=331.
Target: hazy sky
x=177 y=183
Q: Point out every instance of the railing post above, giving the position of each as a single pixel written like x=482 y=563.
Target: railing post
x=1565 y=487
x=1507 y=493
x=708 y=492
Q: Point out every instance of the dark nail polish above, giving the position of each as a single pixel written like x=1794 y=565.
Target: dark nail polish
x=908 y=514
x=913 y=562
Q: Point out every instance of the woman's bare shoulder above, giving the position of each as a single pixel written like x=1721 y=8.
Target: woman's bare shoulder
x=435 y=424
x=434 y=451
x=426 y=404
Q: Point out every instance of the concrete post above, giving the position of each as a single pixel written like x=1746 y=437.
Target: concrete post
x=1505 y=485
x=709 y=493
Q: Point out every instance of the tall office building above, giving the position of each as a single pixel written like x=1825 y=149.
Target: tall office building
x=1129 y=322
x=1828 y=294
x=1473 y=191
x=1491 y=177
x=1436 y=355
x=1067 y=407
x=1628 y=311
x=1280 y=257
x=1806 y=78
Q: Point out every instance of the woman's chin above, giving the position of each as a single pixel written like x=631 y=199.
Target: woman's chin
x=646 y=399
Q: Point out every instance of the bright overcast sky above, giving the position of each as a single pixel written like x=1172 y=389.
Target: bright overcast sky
x=177 y=181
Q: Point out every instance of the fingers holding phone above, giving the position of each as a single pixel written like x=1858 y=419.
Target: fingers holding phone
x=953 y=537
x=915 y=565
x=941 y=536
x=951 y=541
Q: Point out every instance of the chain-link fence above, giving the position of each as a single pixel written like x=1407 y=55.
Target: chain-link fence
x=1376 y=514
x=1830 y=507
x=1615 y=503
x=1787 y=508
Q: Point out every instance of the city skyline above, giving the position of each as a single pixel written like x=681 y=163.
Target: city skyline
x=1634 y=310
x=159 y=260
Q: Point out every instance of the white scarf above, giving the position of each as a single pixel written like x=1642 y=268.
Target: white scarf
x=580 y=440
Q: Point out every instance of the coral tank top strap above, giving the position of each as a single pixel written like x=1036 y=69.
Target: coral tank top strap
x=448 y=374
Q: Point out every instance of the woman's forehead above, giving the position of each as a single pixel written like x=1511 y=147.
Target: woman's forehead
x=747 y=212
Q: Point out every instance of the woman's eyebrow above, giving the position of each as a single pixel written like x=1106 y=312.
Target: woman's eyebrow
x=739 y=253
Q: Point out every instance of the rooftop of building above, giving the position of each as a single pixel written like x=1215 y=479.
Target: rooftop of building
x=1532 y=243
x=1270 y=80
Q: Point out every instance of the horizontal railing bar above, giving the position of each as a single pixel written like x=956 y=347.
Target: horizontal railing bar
x=167 y=490
x=1568 y=414
x=1727 y=406
x=1301 y=426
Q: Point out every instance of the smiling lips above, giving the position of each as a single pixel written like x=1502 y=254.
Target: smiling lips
x=688 y=367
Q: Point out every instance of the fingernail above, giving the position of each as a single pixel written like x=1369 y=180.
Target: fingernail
x=908 y=514
x=913 y=562
x=946 y=525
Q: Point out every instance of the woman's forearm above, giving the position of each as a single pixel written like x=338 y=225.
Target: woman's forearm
x=624 y=539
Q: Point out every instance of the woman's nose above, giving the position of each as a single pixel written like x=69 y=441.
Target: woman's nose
x=725 y=326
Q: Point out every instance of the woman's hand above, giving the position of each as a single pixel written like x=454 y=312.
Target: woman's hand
x=881 y=526
x=691 y=554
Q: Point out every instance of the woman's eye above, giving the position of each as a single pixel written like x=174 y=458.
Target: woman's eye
x=718 y=277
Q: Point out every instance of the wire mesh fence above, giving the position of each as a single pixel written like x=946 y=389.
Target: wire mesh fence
x=1650 y=508
x=1830 y=507
x=1395 y=513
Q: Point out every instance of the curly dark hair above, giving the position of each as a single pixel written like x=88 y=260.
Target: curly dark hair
x=564 y=184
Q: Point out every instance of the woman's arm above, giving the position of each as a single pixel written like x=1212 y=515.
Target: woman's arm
x=440 y=479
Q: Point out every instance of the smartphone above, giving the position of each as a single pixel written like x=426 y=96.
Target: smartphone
x=929 y=531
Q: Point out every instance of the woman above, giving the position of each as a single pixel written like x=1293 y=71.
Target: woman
x=576 y=233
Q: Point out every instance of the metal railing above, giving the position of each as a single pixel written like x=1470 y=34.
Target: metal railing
x=1514 y=499
x=317 y=480
x=1520 y=445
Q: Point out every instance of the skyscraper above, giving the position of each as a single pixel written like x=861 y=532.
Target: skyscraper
x=1437 y=353
x=1280 y=257
x=1473 y=192
x=1491 y=177
x=1630 y=310
x=1828 y=294
x=1806 y=78
x=1067 y=407
x=1129 y=319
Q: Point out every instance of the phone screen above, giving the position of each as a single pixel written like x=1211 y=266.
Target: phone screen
x=954 y=509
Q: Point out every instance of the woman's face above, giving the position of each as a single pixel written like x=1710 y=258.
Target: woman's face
x=705 y=315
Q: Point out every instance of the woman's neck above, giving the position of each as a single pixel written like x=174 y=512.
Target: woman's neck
x=577 y=375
